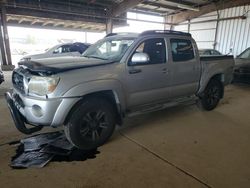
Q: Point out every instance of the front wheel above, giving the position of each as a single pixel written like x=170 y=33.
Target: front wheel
x=91 y=124
x=211 y=95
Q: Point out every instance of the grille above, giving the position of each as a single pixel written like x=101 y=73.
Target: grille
x=17 y=80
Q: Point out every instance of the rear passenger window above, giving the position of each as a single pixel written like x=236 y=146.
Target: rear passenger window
x=74 y=48
x=182 y=50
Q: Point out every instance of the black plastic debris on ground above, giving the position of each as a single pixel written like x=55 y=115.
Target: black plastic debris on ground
x=39 y=150
x=35 y=143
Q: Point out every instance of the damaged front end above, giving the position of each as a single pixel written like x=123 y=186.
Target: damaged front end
x=17 y=117
x=33 y=102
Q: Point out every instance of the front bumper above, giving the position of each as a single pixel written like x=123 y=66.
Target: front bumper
x=18 y=118
x=38 y=112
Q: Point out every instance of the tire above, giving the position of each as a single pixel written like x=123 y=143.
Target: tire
x=211 y=95
x=91 y=123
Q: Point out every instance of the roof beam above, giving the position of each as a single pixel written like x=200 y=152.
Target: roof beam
x=179 y=2
x=124 y=6
x=189 y=14
x=159 y=5
x=100 y=2
x=139 y=11
x=78 y=26
x=68 y=24
x=146 y=10
x=47 y=22
x=21 y=20
x=58 y=23
x=34 y=21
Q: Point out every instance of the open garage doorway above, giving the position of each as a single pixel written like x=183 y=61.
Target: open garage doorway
x=30 y=41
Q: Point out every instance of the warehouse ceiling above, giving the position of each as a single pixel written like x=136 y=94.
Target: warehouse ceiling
x=64 y=14
x=165 y=7
x=92 y=15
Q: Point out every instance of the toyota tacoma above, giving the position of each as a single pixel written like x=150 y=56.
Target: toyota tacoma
x=119 y=76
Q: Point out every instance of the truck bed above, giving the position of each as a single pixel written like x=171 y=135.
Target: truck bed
x=212 y=65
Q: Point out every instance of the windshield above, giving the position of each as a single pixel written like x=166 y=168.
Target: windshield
x=245 y=54
x=109 y=49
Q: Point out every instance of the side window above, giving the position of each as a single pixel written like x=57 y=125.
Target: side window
x=62 y=49
x=245 y=54
x=248 y=57
x=182 y=49
x=75 y=48
x=207 y=52
x=214 y=52
x=155 y=49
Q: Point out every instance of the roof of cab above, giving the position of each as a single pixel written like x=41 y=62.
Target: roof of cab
x=149 y=32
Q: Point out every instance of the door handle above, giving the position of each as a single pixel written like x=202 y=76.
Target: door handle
x=165 y=71
x=134 y=71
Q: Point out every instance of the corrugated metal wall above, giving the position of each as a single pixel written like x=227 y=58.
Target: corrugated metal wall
x=183 y=27
x=203 y=33
x=234 y=33
x=231 y=34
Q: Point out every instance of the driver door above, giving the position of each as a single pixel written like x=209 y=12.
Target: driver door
x=148 y=82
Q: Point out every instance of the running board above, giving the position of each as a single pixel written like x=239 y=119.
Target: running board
x=157 y=107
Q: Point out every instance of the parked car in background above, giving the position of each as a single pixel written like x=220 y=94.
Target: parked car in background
x=67 y=49
x=119 y=76
x=16 y=55
x=212 y=52
x=1 y=76
x=242 y=67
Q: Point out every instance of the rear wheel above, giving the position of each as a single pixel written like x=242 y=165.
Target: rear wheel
x=211 y=95
x=91 y=124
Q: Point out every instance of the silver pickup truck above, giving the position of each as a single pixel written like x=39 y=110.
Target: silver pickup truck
x=121 y=75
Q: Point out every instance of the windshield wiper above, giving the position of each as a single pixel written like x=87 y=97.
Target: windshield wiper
x=95 y=57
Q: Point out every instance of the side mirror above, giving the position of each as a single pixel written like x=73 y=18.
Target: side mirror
x=139 y=58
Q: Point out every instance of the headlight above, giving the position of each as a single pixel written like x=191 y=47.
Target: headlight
x=42 y=85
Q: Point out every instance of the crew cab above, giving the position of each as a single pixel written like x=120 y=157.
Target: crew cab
x=120 y=76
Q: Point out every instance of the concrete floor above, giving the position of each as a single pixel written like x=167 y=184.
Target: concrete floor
x=177 y=147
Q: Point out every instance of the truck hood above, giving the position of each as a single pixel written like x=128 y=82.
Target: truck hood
x=35 y=56
x=56 y=65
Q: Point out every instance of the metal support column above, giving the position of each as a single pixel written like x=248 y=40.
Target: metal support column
x=2 y=47
x=5 y=37
x=216 y=29
x=169 y=19
x=109 y=26
x=189 y=23
x=166 y=26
